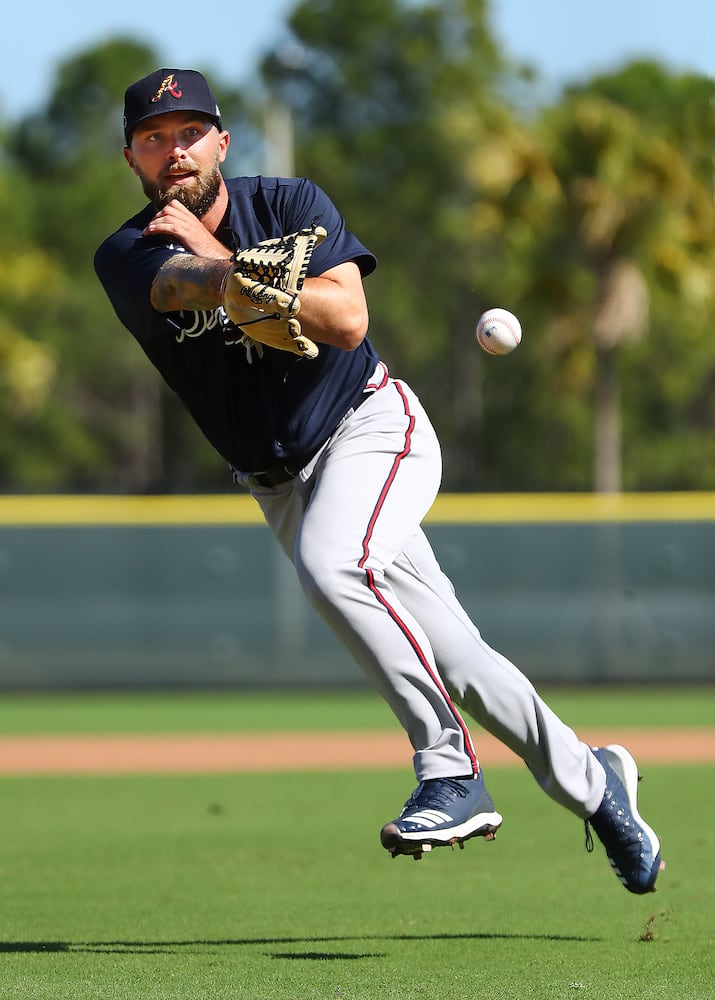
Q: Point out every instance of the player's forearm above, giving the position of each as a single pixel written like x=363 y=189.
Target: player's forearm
x=189 y=282
x=334 y=311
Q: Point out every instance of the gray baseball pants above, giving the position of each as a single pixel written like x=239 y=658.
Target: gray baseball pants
x=351 y=524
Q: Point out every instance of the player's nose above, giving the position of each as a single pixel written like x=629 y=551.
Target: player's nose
x=176 y=147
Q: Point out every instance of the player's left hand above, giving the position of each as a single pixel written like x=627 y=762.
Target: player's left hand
x=283 y=333
x=240 y=292
x=264 y=283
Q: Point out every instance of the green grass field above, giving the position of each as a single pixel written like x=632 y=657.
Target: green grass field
x=255 y=887
x=356 y=710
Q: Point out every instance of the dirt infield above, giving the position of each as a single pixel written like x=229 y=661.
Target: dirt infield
x=275 y=752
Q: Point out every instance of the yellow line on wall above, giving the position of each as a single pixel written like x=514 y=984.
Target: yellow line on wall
x=526 y=508
x=128 y=510
x=457 y=508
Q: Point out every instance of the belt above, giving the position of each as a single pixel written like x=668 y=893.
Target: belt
x=278 y=474
x=275 y=476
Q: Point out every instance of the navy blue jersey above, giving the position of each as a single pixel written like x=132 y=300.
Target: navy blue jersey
x=257 y=408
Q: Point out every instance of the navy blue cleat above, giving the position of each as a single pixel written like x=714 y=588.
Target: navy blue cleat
x=632 y=847
x=442 y=812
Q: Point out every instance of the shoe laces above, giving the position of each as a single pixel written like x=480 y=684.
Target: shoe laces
x=589 y=836
x=437 y=792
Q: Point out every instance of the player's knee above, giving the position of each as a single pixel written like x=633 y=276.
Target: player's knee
x=326 y=582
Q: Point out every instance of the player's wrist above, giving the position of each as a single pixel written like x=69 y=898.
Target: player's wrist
x=224 y=279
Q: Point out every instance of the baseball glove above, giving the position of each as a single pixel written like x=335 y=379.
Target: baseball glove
x=260 y=294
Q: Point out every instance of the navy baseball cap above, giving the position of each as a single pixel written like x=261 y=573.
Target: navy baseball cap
x=168 y=90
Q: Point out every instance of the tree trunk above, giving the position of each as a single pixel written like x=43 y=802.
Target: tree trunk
x=607 y=450
x=142 y=467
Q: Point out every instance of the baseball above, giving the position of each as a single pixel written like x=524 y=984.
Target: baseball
x=498 y=331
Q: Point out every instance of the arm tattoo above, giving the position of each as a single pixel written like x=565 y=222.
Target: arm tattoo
x=189 y=282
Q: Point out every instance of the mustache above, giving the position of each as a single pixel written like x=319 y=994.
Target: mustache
x=182 y=168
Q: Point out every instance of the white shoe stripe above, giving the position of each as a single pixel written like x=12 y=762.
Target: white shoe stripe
x=429 y=817
x=462 y=830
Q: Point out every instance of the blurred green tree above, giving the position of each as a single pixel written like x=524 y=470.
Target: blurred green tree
x=627 y=257
x=31 y=292
x=680 y=107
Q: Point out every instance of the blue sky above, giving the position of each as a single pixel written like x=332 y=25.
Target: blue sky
x=562 y=40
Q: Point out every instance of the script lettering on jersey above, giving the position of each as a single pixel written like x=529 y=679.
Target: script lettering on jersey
x=193 y=324
x=197 y=322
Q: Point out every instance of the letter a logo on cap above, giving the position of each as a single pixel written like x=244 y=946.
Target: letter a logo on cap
x=168 y=84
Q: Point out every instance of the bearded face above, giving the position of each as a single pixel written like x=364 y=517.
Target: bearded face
x=197 y=191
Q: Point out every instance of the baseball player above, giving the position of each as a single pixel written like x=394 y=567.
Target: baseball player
x=341 y=457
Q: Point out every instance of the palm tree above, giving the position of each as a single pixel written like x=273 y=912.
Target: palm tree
x=630 y=215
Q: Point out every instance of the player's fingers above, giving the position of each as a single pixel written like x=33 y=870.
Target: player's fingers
x=172 y=215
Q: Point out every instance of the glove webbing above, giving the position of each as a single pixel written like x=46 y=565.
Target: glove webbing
x=281 y=262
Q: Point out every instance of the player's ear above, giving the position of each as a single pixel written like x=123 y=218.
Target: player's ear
x=129 y=157
x=224 y=140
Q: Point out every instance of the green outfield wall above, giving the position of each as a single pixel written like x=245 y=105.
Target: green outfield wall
x=105 y=592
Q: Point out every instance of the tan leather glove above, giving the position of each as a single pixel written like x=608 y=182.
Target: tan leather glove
x=260 y=294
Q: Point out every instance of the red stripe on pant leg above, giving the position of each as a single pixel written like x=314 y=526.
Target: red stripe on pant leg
x=381 y=382
x=388 y=607
x=391 y=476
x=469 y=749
